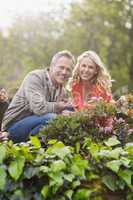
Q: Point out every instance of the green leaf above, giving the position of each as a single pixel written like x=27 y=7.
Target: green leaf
x=62 y=198
x=35 y=141
x=87 y=143
x=44 y=169
x=2 y=153
x=94 y=149
x=75 y=184
x=110 y=182
x=69 y=194
x=77 y=147
x=114 y=165
x=18 y=194
x=125 y=161
x=91 y=176
x=56 y=179
x=129 y=148
x=126 y=175
x=59 y=149
x=103 y=153
x=77 y=171
x=113 y=141
x=56 y=146
x=68 y=177
x=82 y=194
x=79 y=166
x=30 y=172
x=115 y=153
x=52 y=142
x=25 y=151
x=45 y=191
x=2 y=178
x=58 y=166
x=16 y=167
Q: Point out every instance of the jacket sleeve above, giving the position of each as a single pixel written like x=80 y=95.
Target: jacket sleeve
x=35 y=94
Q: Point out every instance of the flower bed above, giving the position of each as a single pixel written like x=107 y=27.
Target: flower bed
x=87 y=155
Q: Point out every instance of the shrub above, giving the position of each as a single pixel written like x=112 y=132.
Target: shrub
x=86 y=156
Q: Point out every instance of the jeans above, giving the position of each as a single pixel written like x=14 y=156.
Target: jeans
x=20 y=131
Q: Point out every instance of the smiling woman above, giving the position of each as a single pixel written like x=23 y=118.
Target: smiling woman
x=90 y=80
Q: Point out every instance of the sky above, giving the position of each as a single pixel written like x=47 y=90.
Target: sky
x=9 y=9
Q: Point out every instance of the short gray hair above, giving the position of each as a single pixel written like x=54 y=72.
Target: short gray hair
x=64 y=53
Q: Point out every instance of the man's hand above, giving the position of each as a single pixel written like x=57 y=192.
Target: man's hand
x=4 y=136
x=63 y=106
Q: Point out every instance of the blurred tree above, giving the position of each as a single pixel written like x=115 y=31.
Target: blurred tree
x=106 y=27
x=30 y=44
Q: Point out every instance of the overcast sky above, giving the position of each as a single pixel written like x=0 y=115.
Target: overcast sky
x=11 y=8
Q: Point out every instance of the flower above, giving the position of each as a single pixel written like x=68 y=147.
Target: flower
x=130 y=131
x=125 y=104
x=108 y=129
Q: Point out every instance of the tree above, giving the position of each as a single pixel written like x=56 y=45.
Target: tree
x=106 y=27
x=30 y=44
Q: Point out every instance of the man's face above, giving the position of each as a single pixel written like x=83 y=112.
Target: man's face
x=61 y=71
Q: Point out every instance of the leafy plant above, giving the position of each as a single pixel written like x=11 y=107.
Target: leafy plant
x=73 y=158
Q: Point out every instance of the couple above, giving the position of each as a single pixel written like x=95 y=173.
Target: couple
x=42 y=95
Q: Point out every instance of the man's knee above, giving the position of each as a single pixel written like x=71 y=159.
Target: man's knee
x=50 y=116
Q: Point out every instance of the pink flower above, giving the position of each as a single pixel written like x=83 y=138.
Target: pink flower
x=96 y=99
x=120 y=120
x=130 y=131
x=108 y=129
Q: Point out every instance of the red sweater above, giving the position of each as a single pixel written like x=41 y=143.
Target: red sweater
x=95 y=91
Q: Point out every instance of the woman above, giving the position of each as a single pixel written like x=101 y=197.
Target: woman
x=90 y=79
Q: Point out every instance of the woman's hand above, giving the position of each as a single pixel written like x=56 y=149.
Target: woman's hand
x=67 y=112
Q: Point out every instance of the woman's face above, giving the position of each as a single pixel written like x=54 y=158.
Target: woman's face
x=87 y=69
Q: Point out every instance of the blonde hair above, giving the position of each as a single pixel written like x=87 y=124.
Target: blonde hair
x=102 y=78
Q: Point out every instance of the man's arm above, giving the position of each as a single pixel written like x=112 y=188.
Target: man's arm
x=36 y=95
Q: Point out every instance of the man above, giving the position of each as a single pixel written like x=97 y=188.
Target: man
x=39 y=99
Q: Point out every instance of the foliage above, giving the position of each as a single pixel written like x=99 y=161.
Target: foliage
x=101 y=122
x=97 y=165
x=32 y=172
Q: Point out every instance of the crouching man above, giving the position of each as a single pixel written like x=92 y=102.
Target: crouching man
x=39 y=99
